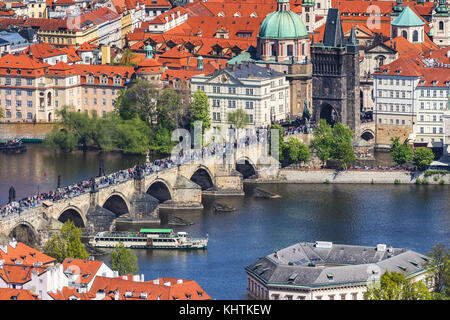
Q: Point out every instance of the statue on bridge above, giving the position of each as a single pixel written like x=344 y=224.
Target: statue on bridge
x=93 y=185
x=139 y=172
x=12 y=195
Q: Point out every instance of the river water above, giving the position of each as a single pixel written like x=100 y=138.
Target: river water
x=411 y=216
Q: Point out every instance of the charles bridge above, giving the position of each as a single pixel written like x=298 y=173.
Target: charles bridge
x=140 y=197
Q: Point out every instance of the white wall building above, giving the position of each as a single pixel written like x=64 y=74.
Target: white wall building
x=327 y=271
x=262 y=92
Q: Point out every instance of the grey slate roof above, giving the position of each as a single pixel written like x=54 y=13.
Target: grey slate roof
x=246 y=71
x=306 y=265
x=333 y=36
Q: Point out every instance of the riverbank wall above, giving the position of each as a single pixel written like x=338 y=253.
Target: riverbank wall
x=25 y=130
x=355 y=177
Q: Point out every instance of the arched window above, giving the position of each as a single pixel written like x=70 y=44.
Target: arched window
x=441 y=25
x=307 y=17
x=404 y=34
x=18 y=115
x=29 y=115
x=415 y=36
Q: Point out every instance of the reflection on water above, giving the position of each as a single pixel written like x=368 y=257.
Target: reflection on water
x=409 y=216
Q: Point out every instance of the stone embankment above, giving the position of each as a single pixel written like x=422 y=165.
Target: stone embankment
x=25 y=130
x=355 y=176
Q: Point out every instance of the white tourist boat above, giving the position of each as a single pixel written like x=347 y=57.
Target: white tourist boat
x=148 y=239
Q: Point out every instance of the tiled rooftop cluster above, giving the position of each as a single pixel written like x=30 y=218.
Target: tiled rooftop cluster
x=27 y=274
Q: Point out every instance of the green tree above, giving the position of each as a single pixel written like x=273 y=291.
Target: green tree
x=238 y=119
x=79 y=129
x=200 y=109
x=295 y=151
x=422 y=158
x=66 y=244
x=333 y=143
x=342 y=147
x=137 y=100
x=395 y=286
x=133 y=136
x=62 y=139
x=438 y=267
x=160 y=142
x=123 y=260
x=168 y=110
x=281 y=144
x=401 y=153
x=322 y=141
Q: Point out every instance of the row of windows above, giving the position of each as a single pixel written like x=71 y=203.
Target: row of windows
x=397 y=82
x=18 y=103
x=433 y=118
x=217 y=117
x=433 y=93
x=433 y=106
x=394 y=107
x=431 y=130
x=394 y=93
x=18 y=115
x=18 y=81
x=233 y=104
x=392 y=121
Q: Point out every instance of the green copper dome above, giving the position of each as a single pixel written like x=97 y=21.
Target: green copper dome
x=282 y=25
x=408 y=19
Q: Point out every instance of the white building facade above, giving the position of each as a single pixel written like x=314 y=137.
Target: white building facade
x=261 y=92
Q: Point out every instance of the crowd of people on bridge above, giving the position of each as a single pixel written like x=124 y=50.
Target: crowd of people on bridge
x=182 y=157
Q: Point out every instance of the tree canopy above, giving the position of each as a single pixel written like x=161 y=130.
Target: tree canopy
x=333 y=143
x=395 y=286
x=295 y=151
x=123 y=260
x=422 y=158
x=66 y=244
x=401 y=153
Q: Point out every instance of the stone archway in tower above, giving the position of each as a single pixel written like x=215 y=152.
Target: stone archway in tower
x=328 y=113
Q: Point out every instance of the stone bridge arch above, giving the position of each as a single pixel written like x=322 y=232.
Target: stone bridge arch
x=203 y=176
x=246 y=167
x=25 y=232
x=74 y=214
x=117 y=203
x=160 y=189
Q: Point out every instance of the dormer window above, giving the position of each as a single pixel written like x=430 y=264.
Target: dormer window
x=104 y=80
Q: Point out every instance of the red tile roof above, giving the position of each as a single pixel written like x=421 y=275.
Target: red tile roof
x=19 y=274
x=148 y=290
x=17 y=294
x=22 y=252
x=87 y=269
x=70 y=294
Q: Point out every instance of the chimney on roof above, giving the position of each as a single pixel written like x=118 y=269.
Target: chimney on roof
x=180 y=281
x=13 y=243
x=156 y=281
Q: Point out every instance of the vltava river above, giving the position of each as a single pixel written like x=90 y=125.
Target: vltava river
x=410 y=216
